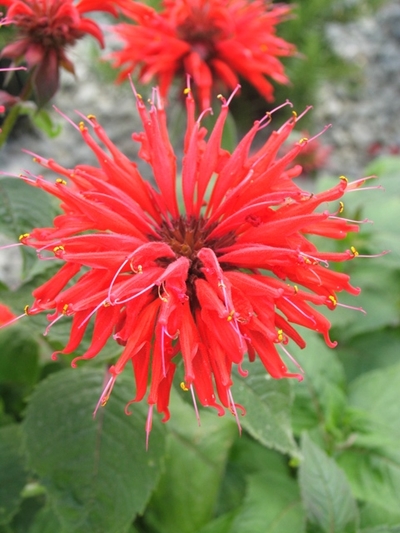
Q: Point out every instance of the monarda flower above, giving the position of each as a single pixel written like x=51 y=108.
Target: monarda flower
x=222 y=278
x=215 y=41
x=44 y=29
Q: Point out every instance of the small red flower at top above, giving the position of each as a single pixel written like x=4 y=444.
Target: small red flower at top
x=215 y=41
x=45 y=29
x=222 y=278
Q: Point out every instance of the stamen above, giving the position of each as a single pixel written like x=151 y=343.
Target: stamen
x=66 y=118
x=195 y=405
x=291 y=358
x=105 y=395
x=149 y=423
x=233 y=409
x=300 y=310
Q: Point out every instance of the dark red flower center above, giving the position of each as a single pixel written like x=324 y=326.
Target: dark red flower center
x=186 y=236
x=49 y=31
x=200 y=32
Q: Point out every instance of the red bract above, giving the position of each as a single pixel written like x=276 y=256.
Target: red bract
x=215 y=41
x=45 y=29
x=224 y=277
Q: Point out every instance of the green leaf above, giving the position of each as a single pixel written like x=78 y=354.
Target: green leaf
x=22 y=208
x=381 y=529
x=373 y=464
x=19 y=361
x=319 y=399
x=370 y=351
x=43 y=120
x=46 y=521
x=97 y=472
x=222 y=524
x=326 y=493
x=268 y=403
x=272 y=505
x=12 y=472
x=196 y=459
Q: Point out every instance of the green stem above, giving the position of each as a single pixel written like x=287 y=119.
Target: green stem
x=9 y=123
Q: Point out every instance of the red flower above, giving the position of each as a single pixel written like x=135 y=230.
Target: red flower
x=6 y=315
x=45 y=29
x=213 y=41
x=230 y=272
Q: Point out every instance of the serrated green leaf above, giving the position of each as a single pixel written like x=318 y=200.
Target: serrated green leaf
x=196 y=458
x=12 y=471
x=272 y=505
x=97 y=472
x=268 y=404
x=328 y=501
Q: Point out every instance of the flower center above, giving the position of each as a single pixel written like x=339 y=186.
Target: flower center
x=200 y=32
x=186 y=236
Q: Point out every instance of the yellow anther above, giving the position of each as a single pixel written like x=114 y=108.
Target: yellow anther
x=344 y=179
x=221 y=284
x=333 y=300
x=106 y=303
x=61 y=181
x=82 y=126
x=24 y=236
x=341 y=207
x=104 y=400
x=36 y=160
x=91 y=117
x=219 y=96
x=58 y=249
x=303 y=140
x=296 y=289
x=183 y=386
x=294 y=114
x=139 y=96
x=280 y=335
x=26 y=309
x=64 y=309
x=231 y=315
x=354 y=251
x=187 y=90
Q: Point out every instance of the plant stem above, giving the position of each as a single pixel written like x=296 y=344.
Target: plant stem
x=9 y=123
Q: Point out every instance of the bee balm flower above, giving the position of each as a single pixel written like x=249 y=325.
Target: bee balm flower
x=224 y=277
x=215 y=41
x=44 y=29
